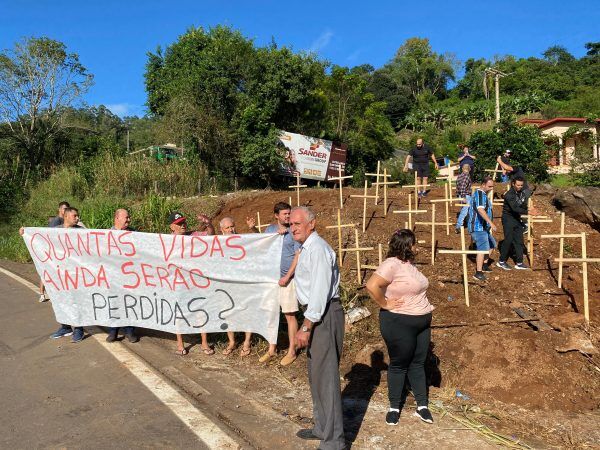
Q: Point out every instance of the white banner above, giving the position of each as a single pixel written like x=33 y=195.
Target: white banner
x=177 y=284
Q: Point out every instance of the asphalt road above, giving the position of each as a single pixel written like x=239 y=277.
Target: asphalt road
x=56 y=394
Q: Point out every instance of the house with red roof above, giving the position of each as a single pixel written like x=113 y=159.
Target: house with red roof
x=570 y=132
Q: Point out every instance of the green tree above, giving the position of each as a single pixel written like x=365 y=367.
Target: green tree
x=39 y=79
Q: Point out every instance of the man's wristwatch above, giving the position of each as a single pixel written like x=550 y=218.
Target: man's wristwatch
x=305 y=329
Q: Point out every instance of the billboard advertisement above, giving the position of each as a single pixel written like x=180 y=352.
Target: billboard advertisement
x=312 y=158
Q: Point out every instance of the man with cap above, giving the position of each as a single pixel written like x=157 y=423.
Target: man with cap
x=317 y=286
x=122 y=221
x=178 y=225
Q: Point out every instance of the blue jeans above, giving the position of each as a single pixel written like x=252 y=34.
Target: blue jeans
x=483 y=240
x=463 y=212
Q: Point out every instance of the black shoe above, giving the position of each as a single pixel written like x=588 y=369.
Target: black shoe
x=424 y=415
x=486 y=268
x=307 y=435
x=479 y=276
x=392 y=417
x=131 y=337
x=112 y=336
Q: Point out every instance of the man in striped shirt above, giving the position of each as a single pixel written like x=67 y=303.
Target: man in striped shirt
x=481 y=225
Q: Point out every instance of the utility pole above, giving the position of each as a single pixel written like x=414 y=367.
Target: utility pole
x=497 y=75
x=127 y=139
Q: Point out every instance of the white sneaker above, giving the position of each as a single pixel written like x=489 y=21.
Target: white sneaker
x=43 y=298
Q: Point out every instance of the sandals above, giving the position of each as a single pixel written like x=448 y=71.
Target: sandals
x=287 y=360
x=245 y=352
x=208 y=351
x=266 y=357
x=181 y=352
x=228 y=351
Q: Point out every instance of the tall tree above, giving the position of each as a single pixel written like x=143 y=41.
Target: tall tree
x=39 y=79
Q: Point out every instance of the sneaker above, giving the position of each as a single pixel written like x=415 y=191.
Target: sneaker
x=479 y=276
x=43 y=298
x=112 y=336
x=392 y=417
x=132 y=337
x=525 y=228
x=424 y=415
x=521 y=266
x=61 y=332
x=424 y=193
x=457 y=230
x=486 y=268
x=77 y=335
x=503 y=265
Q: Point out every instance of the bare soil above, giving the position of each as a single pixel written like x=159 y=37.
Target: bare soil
x=503 y=368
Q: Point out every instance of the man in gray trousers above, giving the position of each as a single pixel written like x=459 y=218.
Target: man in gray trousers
x=322 y=332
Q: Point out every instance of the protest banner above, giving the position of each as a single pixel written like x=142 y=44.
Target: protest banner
x=178 y=284
x=312 y=158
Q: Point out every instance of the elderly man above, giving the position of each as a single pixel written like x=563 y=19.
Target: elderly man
x=121 y=221
x=70 y=220
x=178 y=226
x=317 y=287
x=227 y=226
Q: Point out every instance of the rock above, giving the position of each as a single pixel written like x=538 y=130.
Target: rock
x=373 y=355
x=357 y=313
x=576 y=340
x=545 y=189
x=566 y=320
x=580 y=203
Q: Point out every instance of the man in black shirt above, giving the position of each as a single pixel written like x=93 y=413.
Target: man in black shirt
x=420 y=156
x=514 y=207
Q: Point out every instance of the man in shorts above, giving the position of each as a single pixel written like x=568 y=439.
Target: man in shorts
x=420 y=156
x=481 y=226
x=287 y=290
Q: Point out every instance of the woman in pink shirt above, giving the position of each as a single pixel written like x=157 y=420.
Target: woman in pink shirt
x=400 y=290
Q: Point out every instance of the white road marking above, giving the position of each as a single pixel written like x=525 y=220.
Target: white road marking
x=204 y=428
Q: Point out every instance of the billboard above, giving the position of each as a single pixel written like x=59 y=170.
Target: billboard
x=312 y=158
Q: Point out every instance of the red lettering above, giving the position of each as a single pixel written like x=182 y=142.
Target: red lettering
x=48 y=280
x=69 y=246
x=147 y=276
x=228 y=244
x=198 y=239
x=81 y=245
x=178 y=278
x=166 y=255
x=102 y=277
x=87 y=272
x=48 y=254
x=96 y=234
x=199 y=273
x=163 y=275
x=112 y=243
x=125 y=266
x=74 y=281
x=216 y=247
x=127 y=243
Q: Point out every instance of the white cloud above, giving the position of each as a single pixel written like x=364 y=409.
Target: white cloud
x=321 y=42
x=120 y=109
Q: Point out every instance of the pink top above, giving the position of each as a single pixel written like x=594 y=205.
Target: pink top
x=407 y=283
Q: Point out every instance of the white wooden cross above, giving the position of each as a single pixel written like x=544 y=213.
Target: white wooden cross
x=298 y=186
x=584 y=260
x=464 y=252
x=364 y=197
x=339 y=227
x=357 y=249
x=562 y=236
x=416 y=187
x=377 y=183
x=385 y=184
x=531 y=221
x=340 y=179
x=410 y=211
x=433 y=224
x=258 y=225
x=379 y=254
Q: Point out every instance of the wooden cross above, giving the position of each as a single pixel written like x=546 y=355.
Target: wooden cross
x=562 y=236
x=340 y=179
x=495 y=171
x=357 y=249
x=380 y=255
x=364 y=197
x=339 y=227
x=258 y=225
x=464 y=252
x=410 y=211
x=377 y=175
x=298 y=186
x=531 y=220
x=416 y=187
x=385 y=184
x=433 y=224
x=584 y=260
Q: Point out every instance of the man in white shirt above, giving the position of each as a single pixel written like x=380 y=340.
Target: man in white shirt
x=317 y=287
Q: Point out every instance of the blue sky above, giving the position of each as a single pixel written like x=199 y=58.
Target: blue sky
x=112 y=37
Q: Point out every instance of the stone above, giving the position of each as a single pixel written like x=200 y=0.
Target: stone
x=566 y=320
x=580 y=203
x=577 y=340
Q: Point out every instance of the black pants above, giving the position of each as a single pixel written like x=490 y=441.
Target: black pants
x=407 y=339
x=513 y=238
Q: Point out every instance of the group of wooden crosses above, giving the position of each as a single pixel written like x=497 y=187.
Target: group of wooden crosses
x=381 y=183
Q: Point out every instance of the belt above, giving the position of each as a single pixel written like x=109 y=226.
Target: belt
x=333 y=300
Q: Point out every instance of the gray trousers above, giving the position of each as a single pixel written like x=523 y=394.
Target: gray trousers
x=324 y=353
